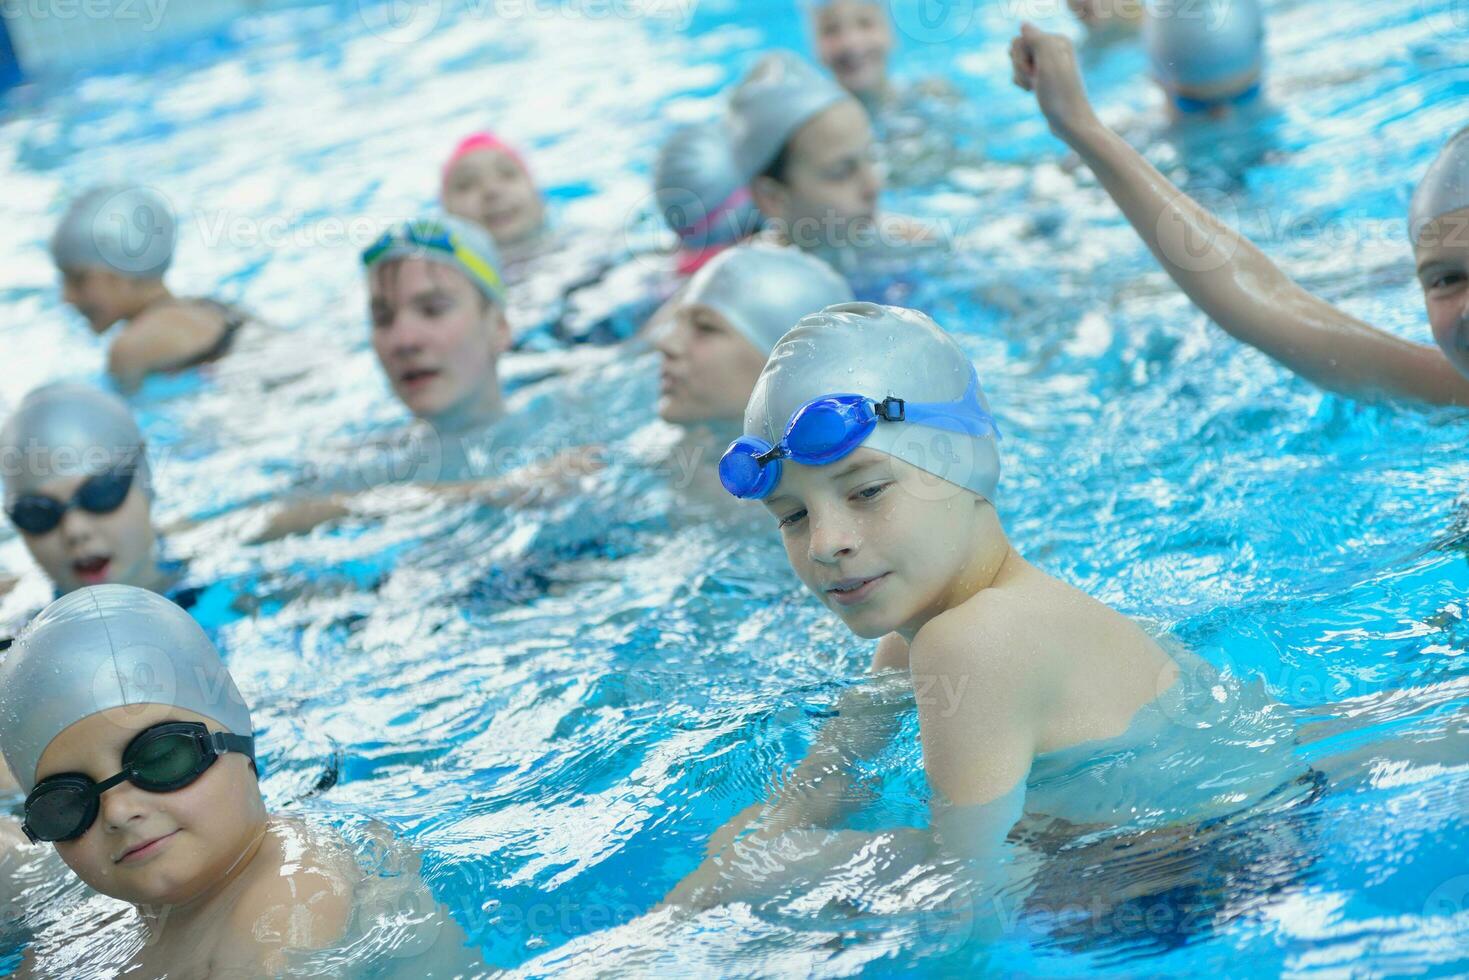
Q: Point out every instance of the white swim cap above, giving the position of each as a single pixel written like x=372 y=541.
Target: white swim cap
x=762 y=291
x=701 y=195
x=1445 y=188
x=125 y=228
x=104 y=647
x=65 y=430
x=1204 y=44
x=878 y=352
x=775 y=99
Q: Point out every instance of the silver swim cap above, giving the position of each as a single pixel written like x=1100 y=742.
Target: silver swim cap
x=700 y=194
x=1202 y=45
x=104 y=647
x=125 y=228
x=775 y=99
x=1445 y=188
x=65 y=430
x=763 y=291
x=878 y=352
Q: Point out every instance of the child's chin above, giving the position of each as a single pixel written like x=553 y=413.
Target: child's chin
x=867 y=625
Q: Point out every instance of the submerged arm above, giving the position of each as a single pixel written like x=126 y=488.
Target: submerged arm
x=818 y=792
x=1221 y=272
x=534 y=484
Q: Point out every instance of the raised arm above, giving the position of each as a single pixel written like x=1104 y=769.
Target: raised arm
x=1223 y=273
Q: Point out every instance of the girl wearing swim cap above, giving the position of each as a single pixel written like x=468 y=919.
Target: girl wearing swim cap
x=1241 y=289
x=138 y=756
x=113 y=246
x=485 y=180
x=869 y=442
x=806 y=147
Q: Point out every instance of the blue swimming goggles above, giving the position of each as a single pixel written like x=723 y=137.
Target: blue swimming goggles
x=1191 y=106
x=829 y=428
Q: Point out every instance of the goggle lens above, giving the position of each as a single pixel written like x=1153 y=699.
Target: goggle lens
x=101 y=494
x=63 y=812
x=166 y=762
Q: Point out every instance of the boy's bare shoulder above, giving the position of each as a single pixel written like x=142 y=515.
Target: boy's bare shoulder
x=997 y=623
x=301 y=898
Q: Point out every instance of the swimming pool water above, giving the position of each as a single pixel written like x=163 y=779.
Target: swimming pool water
x=559 y=706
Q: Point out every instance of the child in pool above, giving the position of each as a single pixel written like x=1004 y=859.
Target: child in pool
x=721 y=330
x=570 y=288
x=439 y=328
x=79 y=490
x=884 y=499
x=138 y=756
x=1241 y=289
x=1209 y=63
x=113 y=246
x=486 y=181
x=806 y=148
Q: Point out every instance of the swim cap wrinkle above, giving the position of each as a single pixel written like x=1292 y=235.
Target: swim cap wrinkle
x=1444 y=189
x=1202 y=45
x=64 y=430
x=108 y=646
x=762 y=291
x=778 y=96
x=878 y=352
x=122 y=227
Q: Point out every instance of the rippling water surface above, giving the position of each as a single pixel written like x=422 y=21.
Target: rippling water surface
x=557 y=707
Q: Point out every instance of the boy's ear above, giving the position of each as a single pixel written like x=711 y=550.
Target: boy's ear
x=500 y=330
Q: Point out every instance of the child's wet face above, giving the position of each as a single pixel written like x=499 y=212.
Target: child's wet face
x=155 y=848
x=1442 y=254
x=437 y=339
x=880 y=542
x=832 y=180
x=709 y=368
x=491 y=188
x=853 y=40
x=96 y=549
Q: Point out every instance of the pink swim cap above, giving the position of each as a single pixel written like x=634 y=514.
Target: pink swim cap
x=481 y=141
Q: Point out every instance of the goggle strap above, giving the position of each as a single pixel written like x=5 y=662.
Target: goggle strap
x=977 y=422
x=222 y=742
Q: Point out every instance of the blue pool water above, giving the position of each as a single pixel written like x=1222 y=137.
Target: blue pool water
x=558 y=706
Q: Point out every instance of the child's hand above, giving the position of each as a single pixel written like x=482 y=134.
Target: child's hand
x=1046 y=65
